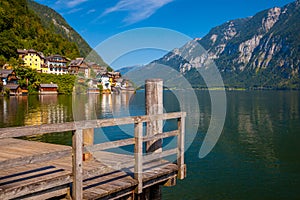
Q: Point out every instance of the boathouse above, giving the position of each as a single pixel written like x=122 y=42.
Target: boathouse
x=48 y=89
x=14 y=89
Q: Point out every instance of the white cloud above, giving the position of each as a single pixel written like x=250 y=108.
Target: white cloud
x=70 y=4
x=138 y=9
x=91 y=11
x=75 y=10
x=74 y=3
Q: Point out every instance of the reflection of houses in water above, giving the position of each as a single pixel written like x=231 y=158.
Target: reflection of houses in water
x=106 y=105
x=85 y=106
x=10 y=109
x=49 y=112
x=116 y=104
x=91 y=107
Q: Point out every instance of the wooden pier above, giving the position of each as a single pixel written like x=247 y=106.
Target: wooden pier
x=36 y=170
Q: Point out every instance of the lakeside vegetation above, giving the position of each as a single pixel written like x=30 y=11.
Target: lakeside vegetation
x=31 y=79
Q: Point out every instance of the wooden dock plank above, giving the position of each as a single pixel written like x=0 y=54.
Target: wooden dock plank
x=35 y=170
x=152 y=170
x=32 y=185
x=21 y=152
x=108 y=184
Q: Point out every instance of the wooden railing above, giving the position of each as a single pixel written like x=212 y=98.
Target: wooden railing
x=78 y=149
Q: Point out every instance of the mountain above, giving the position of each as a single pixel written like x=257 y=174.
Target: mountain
x=57 y=24
x=262 y=51
x=20 y=28
x=28 y=25
x=125 y=70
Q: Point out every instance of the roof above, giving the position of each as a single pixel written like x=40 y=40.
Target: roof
x=49 y=85
x=75 y=62
x=41 y=55
x=25 y=51
x=21 y=51
x=31 y=51
x=5 y=72
x=12 y=86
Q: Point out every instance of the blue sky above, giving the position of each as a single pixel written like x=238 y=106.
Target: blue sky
x=97 y=20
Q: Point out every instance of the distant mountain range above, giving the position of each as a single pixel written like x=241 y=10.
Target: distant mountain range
x=262 y=51
x=125 y=70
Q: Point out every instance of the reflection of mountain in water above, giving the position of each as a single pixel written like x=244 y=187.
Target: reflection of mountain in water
x=257 y=122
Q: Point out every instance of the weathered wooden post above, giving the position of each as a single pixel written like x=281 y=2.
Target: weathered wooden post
x=154 y=106
x=180 y=146
x=77 y=147
x=138 y=156
x=88 y=139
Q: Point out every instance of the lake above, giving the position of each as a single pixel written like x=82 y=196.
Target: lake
x=256 y=157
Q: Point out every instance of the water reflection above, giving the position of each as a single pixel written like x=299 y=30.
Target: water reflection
x=34 y=110
x=258 y=121
x=257 y=156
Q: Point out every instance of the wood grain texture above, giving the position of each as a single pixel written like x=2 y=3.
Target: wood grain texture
x=33 y=170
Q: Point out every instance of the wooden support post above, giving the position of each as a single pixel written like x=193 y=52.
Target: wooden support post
x=154 y=105
x=88 y=140
x=77 y=165
x=138 y=156
x=180 y=146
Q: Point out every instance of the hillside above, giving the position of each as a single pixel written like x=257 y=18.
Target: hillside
x=21 y=28
x=262 y=51
x=57 y=24
x=28 y=25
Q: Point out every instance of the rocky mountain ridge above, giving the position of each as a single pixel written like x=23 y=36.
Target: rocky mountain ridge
x=262 y=51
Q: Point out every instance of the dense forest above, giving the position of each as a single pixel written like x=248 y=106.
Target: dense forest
x=57 y=24
x=20 y=28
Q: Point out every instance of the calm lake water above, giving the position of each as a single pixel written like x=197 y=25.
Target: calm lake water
x=256 y=157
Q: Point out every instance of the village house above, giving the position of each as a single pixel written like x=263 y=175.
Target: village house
x=75 y=65
x=48 y=89
x=106 y=84
x=33 y=59
x=8 y=76
x=97 y=68
x=14 y=89
x=79 y=66
x=56 y=64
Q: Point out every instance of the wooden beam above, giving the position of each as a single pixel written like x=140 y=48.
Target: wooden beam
x=109 y=145
x=71 y=126
x=77 y=165
x=39 y=158
x=88 y=139
x=180 y=147
x=129 y=141
x=154 y=106
x=159 y=155
x=138 y=156
x=161 y=136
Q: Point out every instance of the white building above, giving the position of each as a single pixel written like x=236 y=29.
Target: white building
x=57 y=64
